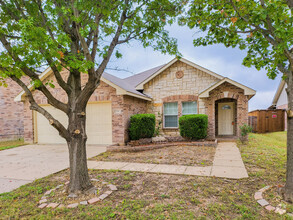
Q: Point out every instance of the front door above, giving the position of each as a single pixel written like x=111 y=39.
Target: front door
x=226 y=118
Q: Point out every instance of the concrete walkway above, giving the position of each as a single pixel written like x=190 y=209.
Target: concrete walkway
x=22 y=165
x=227 y=163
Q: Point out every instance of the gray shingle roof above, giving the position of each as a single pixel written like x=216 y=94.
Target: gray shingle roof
x=140 y=77
x=131 y=82
x=122 y=84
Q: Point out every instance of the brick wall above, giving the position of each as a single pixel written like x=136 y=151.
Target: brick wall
x=234 y=93
x=11 y=113
x=103 y=93
x=132 y=106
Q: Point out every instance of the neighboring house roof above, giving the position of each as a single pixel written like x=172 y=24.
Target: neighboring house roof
x=278 y=92
x=247 y=91
x=164 y=67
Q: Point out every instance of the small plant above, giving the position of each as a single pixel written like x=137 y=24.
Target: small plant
x=126 y=186
x=245 y=130
x=164 y=196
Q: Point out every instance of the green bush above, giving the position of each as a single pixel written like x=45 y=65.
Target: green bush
x=193 y=126
x=142 y=126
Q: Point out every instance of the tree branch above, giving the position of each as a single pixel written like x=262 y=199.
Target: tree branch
x=34 y=106
x=52 y=100
x=95 y=78
x=96 y=36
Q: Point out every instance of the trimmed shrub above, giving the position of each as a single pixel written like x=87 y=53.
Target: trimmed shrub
x=193 y=126
x=142 y=126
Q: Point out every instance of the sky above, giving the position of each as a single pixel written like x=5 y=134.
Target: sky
x=224 y=61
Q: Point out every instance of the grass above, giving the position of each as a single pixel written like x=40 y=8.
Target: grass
x=161 y=196
x=4 y=145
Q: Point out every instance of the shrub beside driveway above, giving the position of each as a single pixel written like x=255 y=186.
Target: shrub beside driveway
x=158 y=196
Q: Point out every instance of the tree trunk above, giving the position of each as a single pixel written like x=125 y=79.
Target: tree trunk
x=288 y=192
x=79 y=178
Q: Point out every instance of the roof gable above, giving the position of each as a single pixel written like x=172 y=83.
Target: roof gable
x=247 y=91
x=160 y=70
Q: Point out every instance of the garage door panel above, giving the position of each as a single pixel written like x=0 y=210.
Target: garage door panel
x=98 y=125
x=45 y=132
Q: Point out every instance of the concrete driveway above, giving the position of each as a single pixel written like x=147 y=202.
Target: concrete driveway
x=22 y=165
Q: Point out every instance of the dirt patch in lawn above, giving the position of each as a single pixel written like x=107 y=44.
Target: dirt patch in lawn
x=179 y=155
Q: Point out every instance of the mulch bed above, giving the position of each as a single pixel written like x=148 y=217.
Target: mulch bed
x=174 y=154
x=153 y=146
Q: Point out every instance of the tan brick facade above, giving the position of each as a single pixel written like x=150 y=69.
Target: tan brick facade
x=11 y=113
x=166 y=87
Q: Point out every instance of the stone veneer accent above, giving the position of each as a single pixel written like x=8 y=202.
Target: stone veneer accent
x=166 y=87
x=11 y=113
x=120 y=111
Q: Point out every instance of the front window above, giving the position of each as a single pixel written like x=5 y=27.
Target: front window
x=189 y=108
x=171 y=115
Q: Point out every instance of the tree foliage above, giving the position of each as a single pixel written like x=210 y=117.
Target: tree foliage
x=80 y=36
x=263 y=28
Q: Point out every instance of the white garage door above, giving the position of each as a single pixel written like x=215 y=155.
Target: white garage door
x=98 y=125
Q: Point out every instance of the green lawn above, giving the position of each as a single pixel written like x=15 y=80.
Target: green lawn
x=158 y=196
x=11 y=144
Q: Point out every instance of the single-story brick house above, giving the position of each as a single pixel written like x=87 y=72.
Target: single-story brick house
x=169 y=91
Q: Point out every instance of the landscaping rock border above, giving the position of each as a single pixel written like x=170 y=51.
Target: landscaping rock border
x=43 y=203
x=157 y=146
x=264 y=203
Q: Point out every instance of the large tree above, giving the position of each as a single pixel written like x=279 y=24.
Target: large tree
x=263 y=28
x=80 y=36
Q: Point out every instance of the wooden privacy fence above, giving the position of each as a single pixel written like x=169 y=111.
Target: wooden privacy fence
x=263 y=121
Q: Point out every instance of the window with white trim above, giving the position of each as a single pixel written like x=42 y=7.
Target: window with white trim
x=189 y=108
x=171 y=115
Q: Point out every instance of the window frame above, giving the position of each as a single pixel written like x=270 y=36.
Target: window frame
x=164 y=115
x=190 y=102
